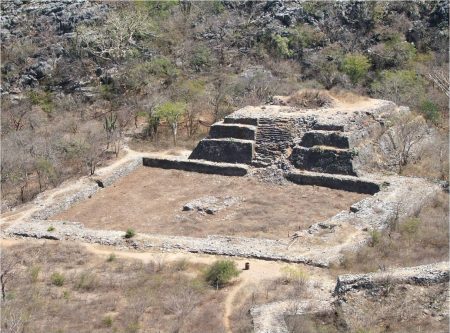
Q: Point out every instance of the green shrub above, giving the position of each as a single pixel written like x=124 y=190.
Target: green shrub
x=34 y=273
x=107 y=321
x=375 y=237
x=282 y=46
x=181 y=265
x=305 y=36
x=171 y=112
x=162 y=67
x=393 y=53
x=130 y=233
x=66 y=294
x=57 y=279
x=410 y=226
x=430 y=111
x=201 y=58
x=51 y=228
x=159 y=9
x=294 y=274
x=355 y=66
x=111 y=257
x=403 y=87
x=43 y=99
x=221 y=272
x=86 y=281
x=217 y=7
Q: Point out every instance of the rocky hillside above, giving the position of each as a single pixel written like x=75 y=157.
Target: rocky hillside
x=77 y=75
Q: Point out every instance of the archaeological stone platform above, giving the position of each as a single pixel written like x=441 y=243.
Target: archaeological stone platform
x=318 y=146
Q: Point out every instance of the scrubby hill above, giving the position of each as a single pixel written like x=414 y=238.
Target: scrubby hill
x=77 y=76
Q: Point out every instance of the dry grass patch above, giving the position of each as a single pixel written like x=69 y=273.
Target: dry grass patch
x=310 y=99
x=394 y=308
x=294 y=284
x=151 y=200
x=58 y=287
x=418 y=240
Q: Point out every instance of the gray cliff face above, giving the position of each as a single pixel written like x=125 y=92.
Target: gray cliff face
x=45 y=30
x=48 y=28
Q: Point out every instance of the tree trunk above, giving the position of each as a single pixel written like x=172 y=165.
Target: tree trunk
x=174 y=132
x=3 y=287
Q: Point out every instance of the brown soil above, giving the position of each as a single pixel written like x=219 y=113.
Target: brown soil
x=150 y=200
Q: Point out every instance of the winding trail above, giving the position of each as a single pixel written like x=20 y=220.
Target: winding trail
x=259 y=269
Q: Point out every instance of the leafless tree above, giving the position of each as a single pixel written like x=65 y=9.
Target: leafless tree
x=92 y=145
x=17 y=113
x=404 y=136
x=9 y=266
x=115 y=40
x=181 y=302
x=219 y=97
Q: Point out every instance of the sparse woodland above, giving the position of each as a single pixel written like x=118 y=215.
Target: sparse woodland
x=82 y=81
x=72 y=93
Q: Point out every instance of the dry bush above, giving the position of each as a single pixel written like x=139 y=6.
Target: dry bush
x=403 y=309
x=347 y=97
x=414 y=241
x=294 y=284
x=393 y=308
x=433 y=161
x=310 y=99
x=101 y=295
x=322 y=322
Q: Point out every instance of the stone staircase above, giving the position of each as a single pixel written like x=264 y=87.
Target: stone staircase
x=255 y=141
x=272 y=139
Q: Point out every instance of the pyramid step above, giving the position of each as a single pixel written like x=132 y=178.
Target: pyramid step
x=224 y=150
x=338 y=182
x=236 y=131
x=325 y=138
x=328 y=127
x=239 y=120
x=324 y=159
x=200 y=166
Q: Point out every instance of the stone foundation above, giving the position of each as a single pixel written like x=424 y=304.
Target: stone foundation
x=236 y=131
x=337 y=182
x=224 y=150
x=224 y=169
x=323 y=159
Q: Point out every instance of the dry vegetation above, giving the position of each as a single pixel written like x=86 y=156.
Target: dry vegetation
x=394 y=308
x=295 y=283
x=211 y=57
x=311 y=99
x=71 y=290
x=418 y=240
x=155 y=205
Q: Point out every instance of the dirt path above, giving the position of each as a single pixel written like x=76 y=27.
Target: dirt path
x=259 y=269
x=49 y=197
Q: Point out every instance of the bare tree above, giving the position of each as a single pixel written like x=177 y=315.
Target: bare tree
x=181 y=302
x=9 y=267
x=117 y=39
x=17 y=113
x=92 y=145
x=405 y=136
x=219 y=98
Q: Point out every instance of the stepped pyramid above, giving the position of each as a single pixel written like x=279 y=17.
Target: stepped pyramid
x=322 y=139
